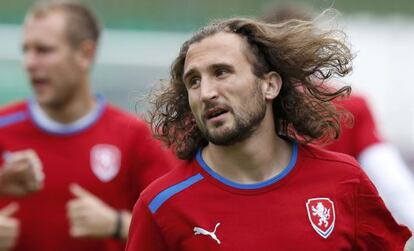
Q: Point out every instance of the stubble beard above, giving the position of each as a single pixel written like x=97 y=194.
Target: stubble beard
x=245 y=123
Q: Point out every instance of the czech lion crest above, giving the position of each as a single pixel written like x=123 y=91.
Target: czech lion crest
x=105 y=161
x=321 y=213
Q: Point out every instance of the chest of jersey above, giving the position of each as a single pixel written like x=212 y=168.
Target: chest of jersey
x=93 y=159
x=298 y=219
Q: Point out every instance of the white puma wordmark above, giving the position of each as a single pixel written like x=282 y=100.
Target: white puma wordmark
x=199 y=230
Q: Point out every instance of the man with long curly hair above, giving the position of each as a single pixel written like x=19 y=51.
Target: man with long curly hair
x=244 y=100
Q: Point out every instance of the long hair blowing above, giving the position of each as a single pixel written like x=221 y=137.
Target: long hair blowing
x=304 y=56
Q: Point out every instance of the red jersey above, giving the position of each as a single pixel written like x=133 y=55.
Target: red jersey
x=110 y=153
x=320 y=201
x=362 y=134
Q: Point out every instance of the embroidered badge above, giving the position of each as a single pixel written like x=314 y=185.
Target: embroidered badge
x=321 y=213
x=105 y=161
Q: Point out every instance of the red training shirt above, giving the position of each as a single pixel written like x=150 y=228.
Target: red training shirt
x=112 y=155
x=321 y=201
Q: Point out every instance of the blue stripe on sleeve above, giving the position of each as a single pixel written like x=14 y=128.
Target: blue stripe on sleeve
x=171 y=191
x=12 y=118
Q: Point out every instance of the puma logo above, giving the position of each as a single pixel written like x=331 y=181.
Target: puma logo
x=199 y=230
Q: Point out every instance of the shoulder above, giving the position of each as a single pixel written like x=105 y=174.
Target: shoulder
x=13 y=107
x=337 y=167
x=164 y=188
x=121 y=115
x=13 y=113
x=329 y=161
x=118 y=117
x=321 y=154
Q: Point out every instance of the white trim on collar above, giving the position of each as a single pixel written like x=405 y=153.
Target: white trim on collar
x=47 y=124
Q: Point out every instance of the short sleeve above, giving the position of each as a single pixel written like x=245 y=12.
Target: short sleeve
x=144 y=233
x=376 y=228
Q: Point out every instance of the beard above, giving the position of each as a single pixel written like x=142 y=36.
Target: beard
x=245 y=122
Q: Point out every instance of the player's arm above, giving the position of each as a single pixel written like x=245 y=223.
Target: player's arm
x=376 y=229
x=144 y=233
x=21 y=173
x=89 y=216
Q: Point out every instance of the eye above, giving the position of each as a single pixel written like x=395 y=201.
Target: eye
x=44 y=49
x=221 y=72
x=193 y=82
x=40 y=49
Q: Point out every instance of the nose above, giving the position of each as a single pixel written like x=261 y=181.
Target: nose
x=208 y=90
x=29 y=59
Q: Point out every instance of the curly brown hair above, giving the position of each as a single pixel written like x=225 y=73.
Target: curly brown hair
x=303 y=55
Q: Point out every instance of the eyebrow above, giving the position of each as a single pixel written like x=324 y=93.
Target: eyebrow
x=221 y=65
x=188 y=73
x=213 y=66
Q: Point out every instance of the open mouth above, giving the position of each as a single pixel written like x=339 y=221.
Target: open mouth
x=215 y=112
x=39 y=83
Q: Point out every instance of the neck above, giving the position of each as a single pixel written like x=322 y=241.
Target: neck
x=76 y=107
x=256 y=159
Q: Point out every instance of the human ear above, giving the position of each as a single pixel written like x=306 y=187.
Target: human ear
x=272 y=85
x=86 y=54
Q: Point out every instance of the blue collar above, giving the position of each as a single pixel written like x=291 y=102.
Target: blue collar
x=262 y=184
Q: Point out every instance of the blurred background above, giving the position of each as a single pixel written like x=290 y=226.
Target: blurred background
x=142 y=37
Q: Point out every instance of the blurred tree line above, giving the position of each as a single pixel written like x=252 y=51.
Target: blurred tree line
x=188 y=15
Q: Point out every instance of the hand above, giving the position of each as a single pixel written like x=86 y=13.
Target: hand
x=21 y=173
x=9 y=227
x=89 y=216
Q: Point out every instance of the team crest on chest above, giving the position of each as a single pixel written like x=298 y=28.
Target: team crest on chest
x=321 y=213
x=105 y=161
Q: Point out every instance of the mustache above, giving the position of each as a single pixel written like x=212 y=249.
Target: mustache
x=215 y=105
x=212 y=106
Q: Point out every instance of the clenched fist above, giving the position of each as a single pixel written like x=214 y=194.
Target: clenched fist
x=21 y=173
